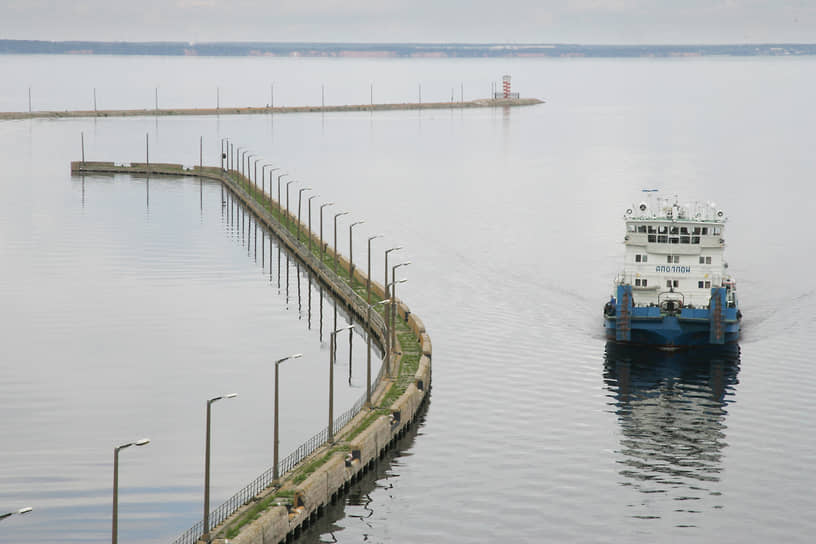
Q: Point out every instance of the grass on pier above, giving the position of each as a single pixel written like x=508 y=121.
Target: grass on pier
x=408 y=362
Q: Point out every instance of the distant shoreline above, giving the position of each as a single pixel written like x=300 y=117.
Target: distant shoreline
x=396 y=50
x=483 y=103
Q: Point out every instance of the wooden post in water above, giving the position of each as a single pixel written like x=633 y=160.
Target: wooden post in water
x=82 y=139
x=29 y=100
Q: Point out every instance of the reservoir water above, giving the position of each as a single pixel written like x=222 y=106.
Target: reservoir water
x=126 y=303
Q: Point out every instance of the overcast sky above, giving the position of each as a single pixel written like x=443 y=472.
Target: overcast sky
x=511 y=21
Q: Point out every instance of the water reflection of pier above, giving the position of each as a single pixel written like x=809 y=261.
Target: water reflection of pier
x=671 y=407
x=266 y=250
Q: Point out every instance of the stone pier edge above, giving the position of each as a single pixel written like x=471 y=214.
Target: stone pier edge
x=282 y=511
x=259 y=110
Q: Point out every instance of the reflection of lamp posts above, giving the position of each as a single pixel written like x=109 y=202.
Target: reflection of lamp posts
x=368 y=272
x=332 y=343
x=351 y=254
x=25 y=510
x=300 y=195
x=288 y=183
x=309 y=200
x=206 y=535
x=279 y=196
x=322 y=247
x=275 y=447
x=115 y=530
x=335 y=237
x=385 y=283
x=368 y=357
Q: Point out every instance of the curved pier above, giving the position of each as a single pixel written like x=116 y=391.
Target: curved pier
x=280 y=511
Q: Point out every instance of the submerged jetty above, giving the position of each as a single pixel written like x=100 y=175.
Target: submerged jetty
x=271 y=510
x=262 y=110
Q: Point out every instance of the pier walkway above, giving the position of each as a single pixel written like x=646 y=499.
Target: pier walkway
x=316 y=474
x=252 y=110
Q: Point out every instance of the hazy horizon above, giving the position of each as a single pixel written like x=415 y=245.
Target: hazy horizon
x=587 y=22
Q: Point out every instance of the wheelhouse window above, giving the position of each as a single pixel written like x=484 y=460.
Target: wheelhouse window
x=641 y=228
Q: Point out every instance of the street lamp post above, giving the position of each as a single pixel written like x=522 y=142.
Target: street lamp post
x=270 y=181
x=351 y=253
x=255 y=176
x=279 y=192
x=245 y=165
x=275 y=473
x=310 y=220
x=300 y=195
x=335 y=237
x=115 y=528
x=223 y=152
x=368 y=356
x=323 y=247
x=24 y=510
x=368 y=271
x=288 y=216
x=385 y=283
x=206 y=527
x=393 y=302
x=241 y=162
x=332 y=343
x=392 y=341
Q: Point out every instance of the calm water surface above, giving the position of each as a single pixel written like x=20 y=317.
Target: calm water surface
x=122 y=315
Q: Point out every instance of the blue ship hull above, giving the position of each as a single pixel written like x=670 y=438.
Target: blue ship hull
x=686 y=327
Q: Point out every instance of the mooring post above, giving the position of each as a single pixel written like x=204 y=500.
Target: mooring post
x=82 y=138
x=147 y=152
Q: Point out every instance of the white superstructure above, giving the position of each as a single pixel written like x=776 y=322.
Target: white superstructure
x=675 y=251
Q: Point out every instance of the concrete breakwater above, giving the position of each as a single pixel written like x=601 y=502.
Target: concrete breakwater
x=250 y=110
x=283 y=509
